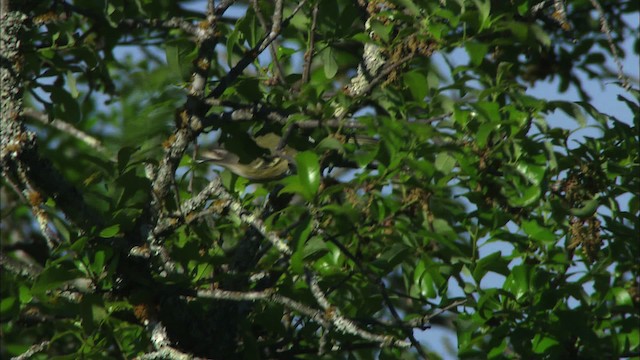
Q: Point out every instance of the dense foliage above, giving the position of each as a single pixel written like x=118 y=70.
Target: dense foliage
x=411 y=146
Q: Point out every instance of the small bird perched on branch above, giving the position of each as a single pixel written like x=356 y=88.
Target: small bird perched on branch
x=267 y=168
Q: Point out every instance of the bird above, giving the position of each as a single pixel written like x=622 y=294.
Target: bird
x=266 y=168
x=261 y=169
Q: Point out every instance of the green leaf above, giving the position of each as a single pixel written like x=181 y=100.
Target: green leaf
x=7 y=304
x=588 y=208
x=517 y=282
x=490 y=111
x=417 y=84
x=24 y=294
x=366 y=156
x=445 y=163
x=180 y=55
x=342 y=212
x=437 y=30
x=484 y=9
x=124 y=156
x=329 y=63
x=381 y=30
x=285 y=52
x=330 y=143
x=519 y=30
x=533 y=173
x=423 y=282
x=571 y=109
x=65 y=106
x=541 y=344
x=234 y=46
x=300 y=235
x=99 y=260
x=111 y=231
x=308 y=165
x=92 y=311
x=622 y=297
x=314 y=248
x=391 y=257
x=538 y=232
x=476 y=51
x=71 y=81
x=523 y=8
x=493 y=262
x=53 y=277
x=504 y=73
x=441 y=226
x=540 y=35
x=484 y=131
x=249 y=88
x=249 y=27
x=413 y=9
x=328 y=16
x=600 y=117
x=524 y=196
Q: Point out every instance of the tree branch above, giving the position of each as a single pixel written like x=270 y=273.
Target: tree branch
x=65 y=127
x=423 y=321
x=250 y=56
x=604 y=28
x=34 y=349
x=276 y=24
x=172 y=23
x=19 y=156
x=345 y=325
x=160 y=341
x=189 y=120
x=308 y=55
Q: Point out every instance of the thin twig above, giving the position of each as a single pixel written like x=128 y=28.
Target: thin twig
x=268 y=295
x=383 y=290
x=308 y=56
x=226 y=201
x=423 y=321
x=345 y=325
x=324 y=318
x=250 y=56
x=211 y=9
x=65 y=127
x=257 y=112
x=36 y=201
x=223 y=6
x=277 y=16
x=399 y=323
x=604 y=28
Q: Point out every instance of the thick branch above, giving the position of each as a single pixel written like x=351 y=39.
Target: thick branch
x=19 y=157
x=37 y=348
